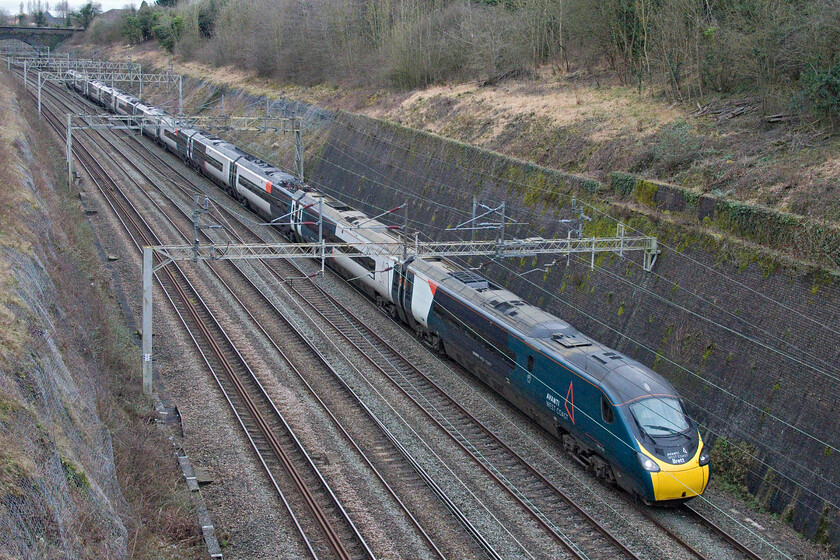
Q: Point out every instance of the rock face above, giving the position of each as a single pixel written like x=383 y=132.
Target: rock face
x=59 y=495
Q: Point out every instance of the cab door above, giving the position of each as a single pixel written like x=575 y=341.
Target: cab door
x=296 y=216
x=402 y=291
x=397 y=288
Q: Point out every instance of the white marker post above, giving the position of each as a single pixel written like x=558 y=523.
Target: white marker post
x=147 y=320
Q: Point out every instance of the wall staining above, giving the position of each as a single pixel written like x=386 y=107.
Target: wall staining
x=751 y=343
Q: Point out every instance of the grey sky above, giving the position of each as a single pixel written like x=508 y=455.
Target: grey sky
x=13 y=6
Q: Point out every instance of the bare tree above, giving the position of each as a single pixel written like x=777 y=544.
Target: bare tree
x=62 y=8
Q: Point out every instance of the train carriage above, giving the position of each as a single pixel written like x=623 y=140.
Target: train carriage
x=613 y=414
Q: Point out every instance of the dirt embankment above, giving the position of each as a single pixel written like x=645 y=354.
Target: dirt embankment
x=83 y=473
x=588 y=125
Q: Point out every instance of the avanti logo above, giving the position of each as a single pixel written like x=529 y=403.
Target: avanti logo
x=570 y=400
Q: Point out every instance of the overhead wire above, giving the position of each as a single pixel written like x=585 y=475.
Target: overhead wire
x=598 y=423
x=729 y=393
x=729 y=329
x=693 y=373
x=662 y=298
x=696 y=404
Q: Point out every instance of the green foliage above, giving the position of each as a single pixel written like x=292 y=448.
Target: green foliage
x=206 y=17
x=824 y=525
x=130 y=28
x=646 y=192
x=732 y=462
x=823 y=87
x=74 y=474
x=39 y=18
x=85 y=15
x=622 y=183
x=591 y=186
x=709 y=350
x=167 y=30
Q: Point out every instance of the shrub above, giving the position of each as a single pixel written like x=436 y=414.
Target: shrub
x=622 y=183
x=104 y=31
x=676 y=148
x=732 y=462
x=167 y=30
x=824 y=89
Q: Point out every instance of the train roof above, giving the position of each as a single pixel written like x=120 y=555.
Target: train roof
x=622 y=377
x=349 y=219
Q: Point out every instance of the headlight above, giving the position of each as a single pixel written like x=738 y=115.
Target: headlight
x=647 y=463
x=704 y=456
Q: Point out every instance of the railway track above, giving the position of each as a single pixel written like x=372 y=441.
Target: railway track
x=518 y=478
x=392 y=461
x=580 y=534
x=280 y=452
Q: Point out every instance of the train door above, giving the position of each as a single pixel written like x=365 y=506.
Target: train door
x=402 y=291
x=296 y=217
x=232 y=180
x=397 y=287
x=407 y=295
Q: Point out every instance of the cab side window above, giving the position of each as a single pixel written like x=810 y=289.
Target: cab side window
x=607 y=411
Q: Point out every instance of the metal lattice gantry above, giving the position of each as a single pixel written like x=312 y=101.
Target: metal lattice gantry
x=512 y=248
x=111 y=73
x=81 y=65
x=126 y=77
x=24 y=50
x=111 y=77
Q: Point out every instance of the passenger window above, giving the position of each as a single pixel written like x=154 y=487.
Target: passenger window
x=530 y=364
x=607 y=411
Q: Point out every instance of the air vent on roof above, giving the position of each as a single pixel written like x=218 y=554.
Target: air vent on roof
x=571 y=340
x=503 y=307
x=469 y=278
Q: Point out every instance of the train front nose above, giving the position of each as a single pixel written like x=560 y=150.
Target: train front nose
x=669 y=481
x=677 y=482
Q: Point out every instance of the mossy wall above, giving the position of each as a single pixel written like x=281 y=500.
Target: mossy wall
x=762 y=370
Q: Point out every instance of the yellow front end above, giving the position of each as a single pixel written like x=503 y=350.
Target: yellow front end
x=677 y=482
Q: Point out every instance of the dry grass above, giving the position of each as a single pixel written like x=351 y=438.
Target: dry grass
x=14 y=465
x=13 y=335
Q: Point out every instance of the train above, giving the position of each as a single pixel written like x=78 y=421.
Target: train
x=618 y=418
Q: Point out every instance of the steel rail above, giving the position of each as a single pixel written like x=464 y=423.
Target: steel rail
x=402 y=450
x=334 y=540
x=717 y=529
x=570 y=546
